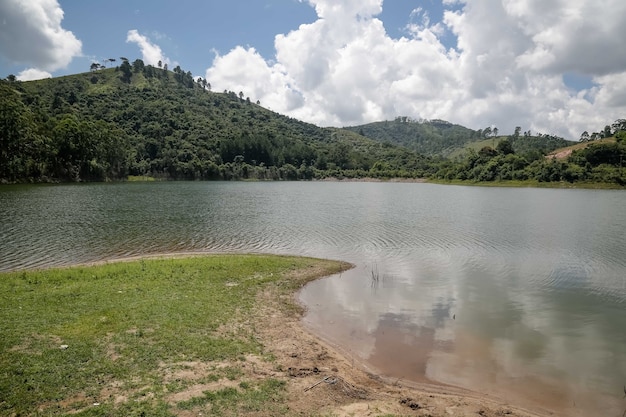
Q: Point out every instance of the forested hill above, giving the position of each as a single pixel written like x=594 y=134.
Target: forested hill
x=142 y=120
x=138 y=120
x=442 y=138
x=430 y=137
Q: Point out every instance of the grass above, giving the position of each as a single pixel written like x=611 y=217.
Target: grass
x=477 y=146
x=110 y=334
x=531 y=184
x=140 y=178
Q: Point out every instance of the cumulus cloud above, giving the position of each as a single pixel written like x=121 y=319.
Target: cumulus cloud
x=31 y=74
x=151 y=52
x=31 y=33
x=505 y=68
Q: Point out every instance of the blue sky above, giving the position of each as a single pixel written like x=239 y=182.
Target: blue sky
x=187 y=31
x=552 y=67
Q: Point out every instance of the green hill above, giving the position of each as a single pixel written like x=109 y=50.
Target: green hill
x=525 y=145
x=442 y=138
x=140 y=120
x=429 y=137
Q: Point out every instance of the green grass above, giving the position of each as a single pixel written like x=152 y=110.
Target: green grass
x=69 y=335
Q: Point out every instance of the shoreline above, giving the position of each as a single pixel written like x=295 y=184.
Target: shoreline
x=401 y=396
x=321 y=377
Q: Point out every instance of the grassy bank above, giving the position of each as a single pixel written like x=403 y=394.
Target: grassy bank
x=117 y=339
x=532 y=184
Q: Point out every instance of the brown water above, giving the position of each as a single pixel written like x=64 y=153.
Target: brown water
x=520 y=293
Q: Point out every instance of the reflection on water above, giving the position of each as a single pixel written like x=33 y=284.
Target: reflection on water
x=516 y=292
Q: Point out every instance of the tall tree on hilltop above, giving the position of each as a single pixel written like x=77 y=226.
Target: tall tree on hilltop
x=126 y=71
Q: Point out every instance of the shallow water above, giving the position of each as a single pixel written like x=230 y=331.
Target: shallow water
x=517 y=292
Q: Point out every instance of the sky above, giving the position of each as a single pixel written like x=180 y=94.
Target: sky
x=548 y=66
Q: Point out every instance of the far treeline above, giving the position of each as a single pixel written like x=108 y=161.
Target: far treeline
x=138 y=120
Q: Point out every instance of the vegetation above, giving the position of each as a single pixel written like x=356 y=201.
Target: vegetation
x=441 y=138
x=429 y=137
x=143 y=121
x=110 y=339
x=596 y=163
x=136 y=121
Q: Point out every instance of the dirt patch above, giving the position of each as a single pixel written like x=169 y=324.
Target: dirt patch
x=35 y=344
x=560 y=155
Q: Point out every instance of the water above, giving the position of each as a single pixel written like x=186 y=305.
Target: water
x=520 y=293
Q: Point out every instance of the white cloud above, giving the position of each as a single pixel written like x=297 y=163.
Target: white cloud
x=506 y=68
x=151 y=52
x=31 y=33
x=31 y=74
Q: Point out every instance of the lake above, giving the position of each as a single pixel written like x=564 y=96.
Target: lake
x=517 y=292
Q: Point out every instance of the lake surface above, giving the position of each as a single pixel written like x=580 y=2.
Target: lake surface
x=520 y=293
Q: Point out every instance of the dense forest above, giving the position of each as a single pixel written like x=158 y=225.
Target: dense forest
x=139 y=120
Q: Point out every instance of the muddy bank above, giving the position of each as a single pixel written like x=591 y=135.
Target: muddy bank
x=323 y=380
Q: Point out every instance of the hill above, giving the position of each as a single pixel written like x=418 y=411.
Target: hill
x=429 y=137
x=525 y=145
x=138 y=120
x=442 y=138
x=141 y=120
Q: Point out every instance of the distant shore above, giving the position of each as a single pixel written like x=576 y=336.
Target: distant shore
x=372 y=179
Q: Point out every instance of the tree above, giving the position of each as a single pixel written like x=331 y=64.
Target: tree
x=11 y=78
x=584 y=137
x=619 y=125
x=94 y=66
x=505 y=147
x=16 y=135
x=241 y=95
x=160 y=63
x=487 y=132
x=138 y=66
x=126 y=71
x=517 y=132
x=495 y=131
x=165 y=67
